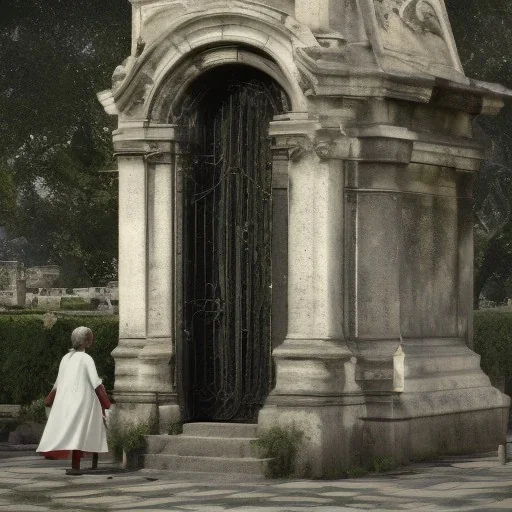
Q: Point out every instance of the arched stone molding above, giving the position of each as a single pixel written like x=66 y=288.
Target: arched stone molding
x=142 y=78
x=168 y=97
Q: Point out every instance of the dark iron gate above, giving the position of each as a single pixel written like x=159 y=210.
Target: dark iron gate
x=227 y=245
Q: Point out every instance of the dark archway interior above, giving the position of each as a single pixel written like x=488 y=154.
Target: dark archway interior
x=227 y=238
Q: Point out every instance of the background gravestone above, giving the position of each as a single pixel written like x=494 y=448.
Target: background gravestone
x=12 y=283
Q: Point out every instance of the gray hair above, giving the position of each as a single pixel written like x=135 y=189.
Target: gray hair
x=79 y=336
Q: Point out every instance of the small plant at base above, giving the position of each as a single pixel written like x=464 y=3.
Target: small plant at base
x=280 y=445
x=382 y=464
x=356 y=472
x=115 y=438
x=34 y=411
x=133 y=437
x=128 y=438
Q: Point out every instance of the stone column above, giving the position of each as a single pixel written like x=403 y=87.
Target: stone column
x=144 y=357
x=315 y=370
x=132 y=273
x=157 y=358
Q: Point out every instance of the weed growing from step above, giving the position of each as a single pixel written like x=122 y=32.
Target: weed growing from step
x=382 y=464
x=281 y=445
x=175 y=428
x=376 y=465
x=130 y=437
x=356 y=472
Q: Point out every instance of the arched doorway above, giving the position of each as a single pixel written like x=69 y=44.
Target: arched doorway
x=227 y=235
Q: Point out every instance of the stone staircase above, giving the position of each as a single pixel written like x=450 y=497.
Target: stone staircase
x=206 y=448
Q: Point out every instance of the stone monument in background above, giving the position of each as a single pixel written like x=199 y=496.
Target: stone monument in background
x=43 y=276
x=12 y=284
x=339 y=135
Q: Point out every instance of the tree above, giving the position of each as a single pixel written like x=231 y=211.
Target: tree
x=54 y=136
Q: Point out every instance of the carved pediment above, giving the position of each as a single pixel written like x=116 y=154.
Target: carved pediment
x=415 y=34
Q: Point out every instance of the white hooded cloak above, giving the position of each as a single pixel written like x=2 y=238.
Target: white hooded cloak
x=75 y=421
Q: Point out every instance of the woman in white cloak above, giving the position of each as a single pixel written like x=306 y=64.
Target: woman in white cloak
x=78 y=400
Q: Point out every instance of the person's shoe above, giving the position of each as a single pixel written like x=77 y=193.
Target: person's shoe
x=74 y=472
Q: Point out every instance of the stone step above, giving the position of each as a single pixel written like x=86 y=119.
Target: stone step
x=166 y=462
x=236 y=447
x=248 y=430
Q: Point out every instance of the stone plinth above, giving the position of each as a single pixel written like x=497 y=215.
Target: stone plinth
x=12 y=284
x=43 y=276
x=376 y=160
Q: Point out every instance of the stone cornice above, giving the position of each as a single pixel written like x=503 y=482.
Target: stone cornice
x=374 y=143
x=475 y=97
x=352 y=72
x=144 y=139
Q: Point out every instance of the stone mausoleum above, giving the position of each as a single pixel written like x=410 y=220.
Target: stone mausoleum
x=295 y=181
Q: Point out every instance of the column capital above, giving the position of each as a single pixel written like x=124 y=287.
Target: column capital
x=142 y=138
x=385 y=143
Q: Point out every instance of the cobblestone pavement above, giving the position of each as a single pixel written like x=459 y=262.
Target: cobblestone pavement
x=31 y=484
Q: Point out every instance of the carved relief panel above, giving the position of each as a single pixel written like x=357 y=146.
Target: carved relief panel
x=415 y=30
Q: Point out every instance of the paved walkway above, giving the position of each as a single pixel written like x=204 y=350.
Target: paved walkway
x=31 y=484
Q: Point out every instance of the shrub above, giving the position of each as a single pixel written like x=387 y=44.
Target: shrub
x=128 y=438
x=493 y=341
x=30 y=352
x=382 y=464
x=34 y=411
x=76 y=304
x=280 y=445
x=356 y=472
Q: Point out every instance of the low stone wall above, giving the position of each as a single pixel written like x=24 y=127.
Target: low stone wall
x=51 y=299
x=8 y=415
x=9 y=411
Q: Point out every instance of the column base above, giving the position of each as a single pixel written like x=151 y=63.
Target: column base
x=330 y=430
x=161 y=410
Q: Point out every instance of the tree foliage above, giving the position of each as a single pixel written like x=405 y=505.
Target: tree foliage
x=54 y=136
x=483 y=33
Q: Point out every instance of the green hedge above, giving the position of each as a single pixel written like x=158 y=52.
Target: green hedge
x=31 y=350
x=493 y=341
x=76 y=304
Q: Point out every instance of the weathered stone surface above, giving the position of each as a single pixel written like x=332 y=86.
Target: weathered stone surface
x=12 y=283
x=43 y=276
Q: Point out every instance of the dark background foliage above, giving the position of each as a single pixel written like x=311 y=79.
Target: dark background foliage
x=493 y=341
x=483 y=33
x=55 y=55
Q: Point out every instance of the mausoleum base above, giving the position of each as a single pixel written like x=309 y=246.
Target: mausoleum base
x=339 y=437
x=411 y=438
x=330 y=432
